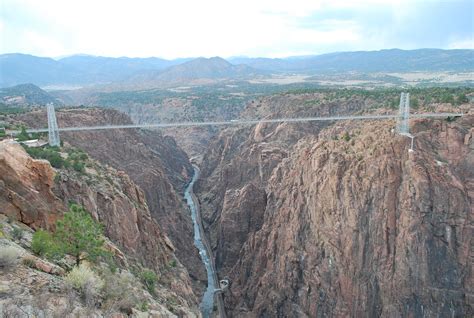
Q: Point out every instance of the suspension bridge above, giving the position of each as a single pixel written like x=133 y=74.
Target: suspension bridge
x=402 y=127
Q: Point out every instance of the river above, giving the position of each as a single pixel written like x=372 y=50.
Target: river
x=207 y=302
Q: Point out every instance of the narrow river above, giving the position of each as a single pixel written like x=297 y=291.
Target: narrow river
x=207 y=302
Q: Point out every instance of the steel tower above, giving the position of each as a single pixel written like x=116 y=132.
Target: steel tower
x=404 y=113
x=53 y=131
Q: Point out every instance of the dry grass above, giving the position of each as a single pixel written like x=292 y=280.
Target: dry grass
x=8 y=257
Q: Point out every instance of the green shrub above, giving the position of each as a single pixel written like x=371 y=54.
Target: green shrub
x=49 y=153
x=143 y=306
x=346 y=136
x=109 y=259
x=450 y=119
x=56 y=160
x=149 y=279
x=461 y=99
x=447 y=98
x=17 y=233
x=23 y=135
x=78 y=166
x=171 y=304
x=44 y=245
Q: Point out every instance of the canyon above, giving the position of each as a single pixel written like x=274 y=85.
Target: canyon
x=328 y=219
x=252 y=159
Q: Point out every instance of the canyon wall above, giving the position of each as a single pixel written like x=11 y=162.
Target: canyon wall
x=340 y=219
x=154 y=162
x=35 y=194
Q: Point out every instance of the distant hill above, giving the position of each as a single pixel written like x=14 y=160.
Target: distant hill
x=394 y=60
x=75 y=70
x=25 y=95
x=200 y=68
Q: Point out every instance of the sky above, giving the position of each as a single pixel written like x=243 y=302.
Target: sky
x=265 y=28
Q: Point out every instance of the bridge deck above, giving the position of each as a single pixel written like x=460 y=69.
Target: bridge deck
x=244 y=122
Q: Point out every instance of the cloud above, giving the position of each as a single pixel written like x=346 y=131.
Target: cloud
x=208 y=27
x=462 y=44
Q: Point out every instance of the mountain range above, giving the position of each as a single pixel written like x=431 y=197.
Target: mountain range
x=85 y=70
x=74 y=70
x=394 y=60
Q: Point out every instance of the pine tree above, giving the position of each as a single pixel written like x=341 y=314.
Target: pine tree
x=79 y=235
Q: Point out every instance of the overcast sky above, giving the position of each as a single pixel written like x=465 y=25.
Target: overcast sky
x=270 y=28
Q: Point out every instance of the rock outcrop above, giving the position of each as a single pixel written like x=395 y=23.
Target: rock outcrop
x=26 y=188
x=342 y=220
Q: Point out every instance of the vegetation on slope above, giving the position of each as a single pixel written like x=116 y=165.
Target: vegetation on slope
x=72 y=157
x=93 y=287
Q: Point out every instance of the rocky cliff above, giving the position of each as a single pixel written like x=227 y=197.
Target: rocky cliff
x=35 y=194
x=154 y=162
x=26 y=188
x=340 y=220
x=239 y=162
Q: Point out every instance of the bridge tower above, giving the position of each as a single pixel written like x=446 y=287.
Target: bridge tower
x=53 y=130
x=404 y=114
x=402 y=127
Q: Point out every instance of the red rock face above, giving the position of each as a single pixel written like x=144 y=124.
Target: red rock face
x=122 y=209
x=26 y=188
x=344 y=228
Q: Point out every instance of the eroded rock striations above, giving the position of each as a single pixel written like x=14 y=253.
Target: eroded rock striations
x=343 y=220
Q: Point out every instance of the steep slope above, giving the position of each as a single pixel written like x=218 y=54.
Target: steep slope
x=35 y=194
x=341 y=220
x=152 y=161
